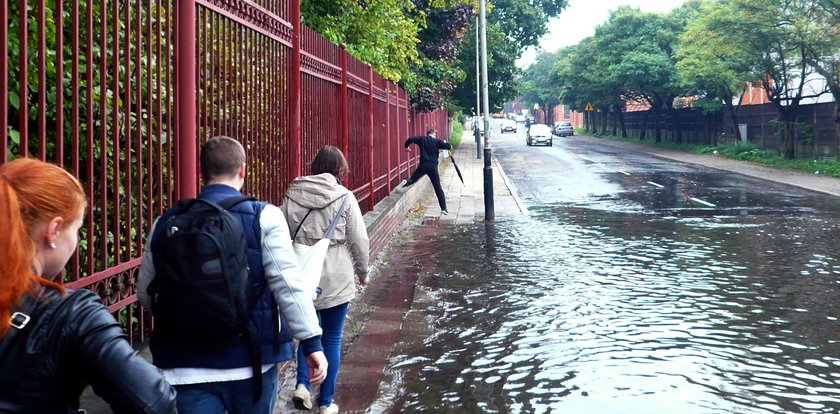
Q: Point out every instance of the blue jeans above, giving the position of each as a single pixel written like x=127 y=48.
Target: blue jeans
x=237 y=397
x=332 y=323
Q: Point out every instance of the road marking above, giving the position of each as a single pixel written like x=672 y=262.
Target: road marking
x=703 y=202
x=625 y=173
x=655 y=184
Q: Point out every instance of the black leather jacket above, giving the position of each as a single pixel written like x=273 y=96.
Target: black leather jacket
x=70 y=342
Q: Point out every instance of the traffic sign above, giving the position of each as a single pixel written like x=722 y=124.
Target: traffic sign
x=589 y=108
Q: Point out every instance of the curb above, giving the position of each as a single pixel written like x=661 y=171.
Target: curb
x=511 y=188
x=745 y=168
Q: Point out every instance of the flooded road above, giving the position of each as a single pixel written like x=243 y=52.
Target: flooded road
x=634 y=285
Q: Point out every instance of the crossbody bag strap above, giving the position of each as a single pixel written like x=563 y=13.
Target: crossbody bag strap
x=294 y=236
x=331 y=229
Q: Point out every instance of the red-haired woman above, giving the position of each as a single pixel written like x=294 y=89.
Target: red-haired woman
x=54 y=342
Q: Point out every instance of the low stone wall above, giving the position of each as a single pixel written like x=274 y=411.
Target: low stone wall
x=383 y=221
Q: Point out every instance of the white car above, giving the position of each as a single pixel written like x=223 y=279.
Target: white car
x=539 y=134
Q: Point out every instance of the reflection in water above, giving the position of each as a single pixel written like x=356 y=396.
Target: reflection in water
x=577 y=310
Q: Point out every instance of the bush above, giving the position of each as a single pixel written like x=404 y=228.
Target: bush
x=456 y=133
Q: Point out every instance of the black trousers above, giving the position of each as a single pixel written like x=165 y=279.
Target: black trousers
x=430 y=169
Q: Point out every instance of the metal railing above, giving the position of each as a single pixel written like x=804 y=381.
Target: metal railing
x=123 y=93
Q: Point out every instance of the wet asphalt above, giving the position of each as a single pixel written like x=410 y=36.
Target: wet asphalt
x=634 y=285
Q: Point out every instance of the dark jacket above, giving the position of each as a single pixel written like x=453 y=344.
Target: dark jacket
x=70 y=342
x=429 y=147
x=275 y=341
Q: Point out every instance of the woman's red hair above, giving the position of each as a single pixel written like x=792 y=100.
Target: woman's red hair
x=31 y=192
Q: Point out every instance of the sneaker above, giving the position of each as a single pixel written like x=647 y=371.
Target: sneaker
x=330 y=409
x=444 y=212
x=403 y=183
x=301 y=398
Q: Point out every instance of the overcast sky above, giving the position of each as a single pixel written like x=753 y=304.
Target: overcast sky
x=579 y=19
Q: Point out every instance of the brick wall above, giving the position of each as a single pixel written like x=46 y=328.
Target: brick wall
x=389 y=213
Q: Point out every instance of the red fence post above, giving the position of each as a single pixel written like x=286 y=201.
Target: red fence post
x=371 y=200
x=294 y=93
x=344 y=116
x=388 y=130
x=397 y=139
x=4 y=84
x=186 y=139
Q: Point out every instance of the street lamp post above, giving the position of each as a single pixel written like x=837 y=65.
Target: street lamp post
x=489 y=208
x=477 y=93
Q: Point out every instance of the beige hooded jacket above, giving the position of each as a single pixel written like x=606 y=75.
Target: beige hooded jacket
x=349 y=249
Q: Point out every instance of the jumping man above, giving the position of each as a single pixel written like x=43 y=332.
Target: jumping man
x=429 y=147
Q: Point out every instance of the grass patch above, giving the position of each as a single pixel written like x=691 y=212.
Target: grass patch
x=743 y=151
x=456 y=134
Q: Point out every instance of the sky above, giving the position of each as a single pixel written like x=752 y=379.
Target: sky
x=579 y=19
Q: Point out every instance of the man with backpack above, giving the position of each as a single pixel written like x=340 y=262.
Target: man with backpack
x=213 y=273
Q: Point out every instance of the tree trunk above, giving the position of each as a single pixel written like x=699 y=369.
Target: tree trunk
x=708 y=129
x=623 y=126
x=789 y=139
x=614 y=122
x=734 y=118
x=677 y=125
x=604 y=116
x=657 y=132
x=643 y=133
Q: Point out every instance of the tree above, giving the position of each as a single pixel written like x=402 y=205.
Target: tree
x=382 y=33
x=501 y=70
x=777 y=52
x=712 y=68
x=434 y=75
x=539 y=84
x=512 y=25
x=823 y=52
x=638 y=48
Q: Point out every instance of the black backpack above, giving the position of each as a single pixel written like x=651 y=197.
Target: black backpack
x=201 y=293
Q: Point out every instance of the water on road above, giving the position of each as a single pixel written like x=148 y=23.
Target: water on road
x=629 y=301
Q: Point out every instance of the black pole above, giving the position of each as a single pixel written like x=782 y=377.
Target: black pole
x=489 y=207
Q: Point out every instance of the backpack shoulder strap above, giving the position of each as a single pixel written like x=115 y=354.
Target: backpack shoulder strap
x=229 y=203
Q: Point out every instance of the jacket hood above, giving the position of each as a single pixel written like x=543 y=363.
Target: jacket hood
x=315 y=191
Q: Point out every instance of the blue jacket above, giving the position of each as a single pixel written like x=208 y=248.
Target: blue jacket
x=275 y=346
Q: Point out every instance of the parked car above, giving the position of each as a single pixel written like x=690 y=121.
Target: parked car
x=508 y=125
x=539 y=134
x=564 y=129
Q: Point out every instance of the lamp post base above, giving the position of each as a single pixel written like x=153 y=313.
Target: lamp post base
x=489 y=206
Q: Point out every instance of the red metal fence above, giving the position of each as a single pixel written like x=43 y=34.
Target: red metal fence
x=122 y=93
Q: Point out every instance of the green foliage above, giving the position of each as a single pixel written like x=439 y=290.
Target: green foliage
x=538 y=81
x=382 y=33
x=709 y=65
x=113 y=135
x=512 y=25
x=457 y=132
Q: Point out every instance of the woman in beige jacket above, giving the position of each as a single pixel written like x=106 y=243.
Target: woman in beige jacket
x=310 y=205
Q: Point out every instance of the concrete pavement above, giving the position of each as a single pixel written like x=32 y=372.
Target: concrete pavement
x=465 y=201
